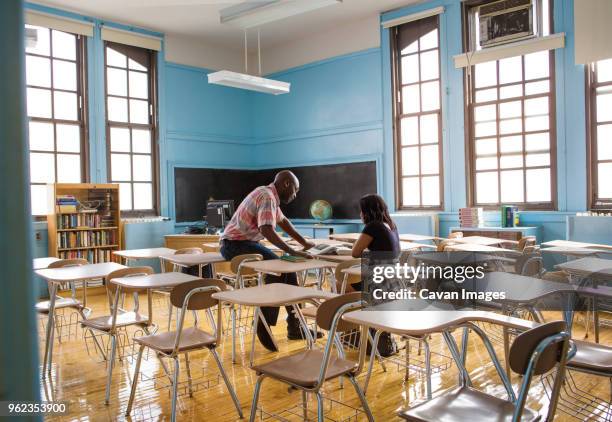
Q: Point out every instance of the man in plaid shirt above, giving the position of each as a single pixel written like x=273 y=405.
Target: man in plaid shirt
x=255 y=219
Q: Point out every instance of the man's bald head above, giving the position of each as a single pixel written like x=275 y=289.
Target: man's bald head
x=287 y=185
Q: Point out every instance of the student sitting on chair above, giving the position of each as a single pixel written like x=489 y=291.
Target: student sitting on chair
x=255 y=219
x=381 y=239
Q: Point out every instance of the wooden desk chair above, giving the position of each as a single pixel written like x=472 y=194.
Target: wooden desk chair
x=193 y=295
x=240 y=277
x=182 y=251
x=309 y=369
x=441 y=247
x=62 y=302
x=120 y=318
x=577 y=400
x=534 y=352
x=525 y=242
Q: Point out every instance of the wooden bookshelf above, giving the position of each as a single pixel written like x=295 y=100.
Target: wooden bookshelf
x=89 y=234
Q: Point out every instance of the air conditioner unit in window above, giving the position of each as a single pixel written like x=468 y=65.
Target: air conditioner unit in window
x=504 y=21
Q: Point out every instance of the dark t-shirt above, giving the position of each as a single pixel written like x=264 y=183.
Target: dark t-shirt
x=383 y=238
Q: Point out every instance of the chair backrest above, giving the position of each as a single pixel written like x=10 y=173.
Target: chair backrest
x=526 y=241
x=529 y=264
x=237 y=260
x=328 y=309
x=126 y=272
x=455 y=235
x=345 y=279
x=535 y=352
x=200 y=300
x=68 y=263
x=188 y=251
x=525 y=345
x=446 y=242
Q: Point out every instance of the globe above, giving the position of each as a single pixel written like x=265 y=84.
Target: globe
x=321 y=210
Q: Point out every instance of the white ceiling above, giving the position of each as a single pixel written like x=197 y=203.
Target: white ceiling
x=199 y=19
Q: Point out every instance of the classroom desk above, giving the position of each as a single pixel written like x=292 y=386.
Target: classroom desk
x=595 y=271
x=574 y=244
x=409 y=237
x=420 y=318
x=334 y=258
x=413 y=246
x=138 y=254
x=55 y=276
x=199 y=259
x=154 y=281
x=406 y=237
x=41 y=263
x=316 y=242
x=458 y=258
x=572 y=251
x=483 y=240
x=277 y=294
x=477 y=247
x=149 y=282
x=280 y=266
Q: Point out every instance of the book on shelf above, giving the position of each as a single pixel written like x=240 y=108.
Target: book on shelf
x=83 y=239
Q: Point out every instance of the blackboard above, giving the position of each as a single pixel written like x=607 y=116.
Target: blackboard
x=340 y=184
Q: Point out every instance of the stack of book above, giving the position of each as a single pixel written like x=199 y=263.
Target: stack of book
x=471 y=217
x=66 y=204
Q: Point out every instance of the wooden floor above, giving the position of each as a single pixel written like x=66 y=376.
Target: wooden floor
x=79 y=376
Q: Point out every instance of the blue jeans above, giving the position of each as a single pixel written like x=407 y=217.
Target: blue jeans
x=233 y=248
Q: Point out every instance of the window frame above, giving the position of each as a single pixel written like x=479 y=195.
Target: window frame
x=152 y=126
x=82 y=109
x=594 y=201
x=469 y=123
x=396 y=87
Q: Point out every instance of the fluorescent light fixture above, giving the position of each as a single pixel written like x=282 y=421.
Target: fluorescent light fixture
x=250 y=82
x=251 y=14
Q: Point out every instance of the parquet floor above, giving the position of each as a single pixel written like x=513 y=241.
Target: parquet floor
x=79 y=376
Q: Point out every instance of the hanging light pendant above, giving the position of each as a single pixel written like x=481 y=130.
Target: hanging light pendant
x=246 y=81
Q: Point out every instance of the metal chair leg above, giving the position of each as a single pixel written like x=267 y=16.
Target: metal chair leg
x=134 y=381
x=364 y=402
x=371 y=363
x=233 y=317
x=169 y=313
x=175 y=388
x=189 y=383
x=111 y=363
x=255 y=399
x=227 y=382
x=304 y=405
x=320 y=415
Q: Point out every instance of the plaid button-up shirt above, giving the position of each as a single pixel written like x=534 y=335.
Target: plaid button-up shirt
x=261 y=207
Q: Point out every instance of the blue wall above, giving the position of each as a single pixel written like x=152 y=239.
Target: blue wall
x=339 y=110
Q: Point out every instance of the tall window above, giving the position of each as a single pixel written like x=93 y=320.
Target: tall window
x=512 y=138
x=55 y=86
x=130 y=123
x=417 y=114
x=600 y=133
x=511 y=120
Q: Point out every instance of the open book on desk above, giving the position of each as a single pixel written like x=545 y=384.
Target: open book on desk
x=325 y=249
